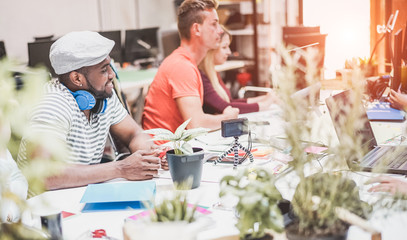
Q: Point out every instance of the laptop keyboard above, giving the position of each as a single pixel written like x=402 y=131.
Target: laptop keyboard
x=397 y=161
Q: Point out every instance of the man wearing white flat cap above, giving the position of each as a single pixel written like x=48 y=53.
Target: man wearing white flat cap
x=81 y=107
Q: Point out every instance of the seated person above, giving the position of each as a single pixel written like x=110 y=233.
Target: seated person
x=176 y=93
x=80 y=108
x=216 y=95
x=12 y=180
x=398 y=100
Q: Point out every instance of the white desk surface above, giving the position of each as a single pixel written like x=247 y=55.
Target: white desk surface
x=392 y=227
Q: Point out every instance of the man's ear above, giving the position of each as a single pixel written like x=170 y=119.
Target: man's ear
x=196 y=29
x=77 y=78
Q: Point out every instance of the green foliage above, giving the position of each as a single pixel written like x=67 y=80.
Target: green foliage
x=317 y=196
x=15 y=106
x=180 y=137
x=174 y=209
x=258 y=198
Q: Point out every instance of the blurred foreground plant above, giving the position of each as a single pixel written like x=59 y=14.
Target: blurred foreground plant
x=19 y=94
x=318 y=194
x=258 y=198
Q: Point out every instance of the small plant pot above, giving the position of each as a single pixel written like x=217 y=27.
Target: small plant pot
x=265 y=237
x=292 y=234
x=183 y=167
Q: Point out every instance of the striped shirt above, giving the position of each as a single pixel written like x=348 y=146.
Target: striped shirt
x=59 y=116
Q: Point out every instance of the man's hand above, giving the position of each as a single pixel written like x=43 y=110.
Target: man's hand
x=231 y=112
x=388 y=184
x=141 y=165
x=161 y=153
x=398 y=100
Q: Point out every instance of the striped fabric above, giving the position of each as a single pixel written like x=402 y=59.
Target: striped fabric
x=59 y=116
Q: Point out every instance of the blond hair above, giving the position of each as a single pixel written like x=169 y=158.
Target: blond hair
x=207 y=65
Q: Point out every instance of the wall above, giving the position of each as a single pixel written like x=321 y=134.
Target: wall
x=22 y=20
x=347 y=24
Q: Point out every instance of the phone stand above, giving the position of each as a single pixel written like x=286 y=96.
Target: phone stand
x=235 y=149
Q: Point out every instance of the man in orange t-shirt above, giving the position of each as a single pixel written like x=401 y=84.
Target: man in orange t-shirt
x=176 y=94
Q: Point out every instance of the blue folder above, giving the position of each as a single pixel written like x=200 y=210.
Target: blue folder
x=381 y=111
x=118 y=196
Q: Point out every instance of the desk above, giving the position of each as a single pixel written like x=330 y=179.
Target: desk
x=392 y=227
x=134 y=84
x=131 y=79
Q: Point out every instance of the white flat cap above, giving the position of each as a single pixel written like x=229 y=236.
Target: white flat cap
x=79 y=49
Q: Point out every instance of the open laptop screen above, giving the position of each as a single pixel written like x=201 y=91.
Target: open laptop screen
x=340 y=109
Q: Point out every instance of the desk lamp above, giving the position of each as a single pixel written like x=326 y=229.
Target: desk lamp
x=236 y=128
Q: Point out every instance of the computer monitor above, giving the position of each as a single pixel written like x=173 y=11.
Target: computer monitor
x=397 y=53
x=302 y=37
x=117 y=52
x=2 y=50
x=170 y=41
x=141 y=44
x=38 y=55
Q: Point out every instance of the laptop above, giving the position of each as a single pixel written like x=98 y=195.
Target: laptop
x=397 y=163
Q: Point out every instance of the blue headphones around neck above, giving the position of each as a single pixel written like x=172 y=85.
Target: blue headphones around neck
x=86 y=101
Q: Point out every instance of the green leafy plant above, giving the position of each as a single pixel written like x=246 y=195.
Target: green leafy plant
x=180 y=137
x=175 y=209
x=258 y=198
x=317 y=196
x=16 y=102
x=316 y=199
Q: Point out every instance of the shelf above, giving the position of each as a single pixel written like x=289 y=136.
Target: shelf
x=242 y=32
x=229 y=2
x=229 y=65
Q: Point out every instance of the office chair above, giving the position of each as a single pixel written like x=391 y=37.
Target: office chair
x=2 y=50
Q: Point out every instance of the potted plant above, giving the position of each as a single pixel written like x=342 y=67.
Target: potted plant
x=319 y=191
x=257 y=206
x=19 y=94
x=184 y=161
x=314 y=206
x=173 y=219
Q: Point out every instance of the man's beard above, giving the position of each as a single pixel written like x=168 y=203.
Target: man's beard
x=98 y=94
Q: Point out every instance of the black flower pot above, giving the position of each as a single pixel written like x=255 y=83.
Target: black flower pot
x=292 y=234
x=183 y=167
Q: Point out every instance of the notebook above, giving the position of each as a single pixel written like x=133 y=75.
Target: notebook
x=397 y=164
x=127 y=195
x=381 y=111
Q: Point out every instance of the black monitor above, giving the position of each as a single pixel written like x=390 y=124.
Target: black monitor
x=38 y=55
x=141 y=44
x=170 y=41
x=398 y=45
x=2 y=50
x=301 y=37
x=117 y=52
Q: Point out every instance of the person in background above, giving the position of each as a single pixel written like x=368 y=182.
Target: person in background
x=385 y=183
x=80 y=108
x=176 y=93
x=398 y=100
x=217 y=96
x=12 y=181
